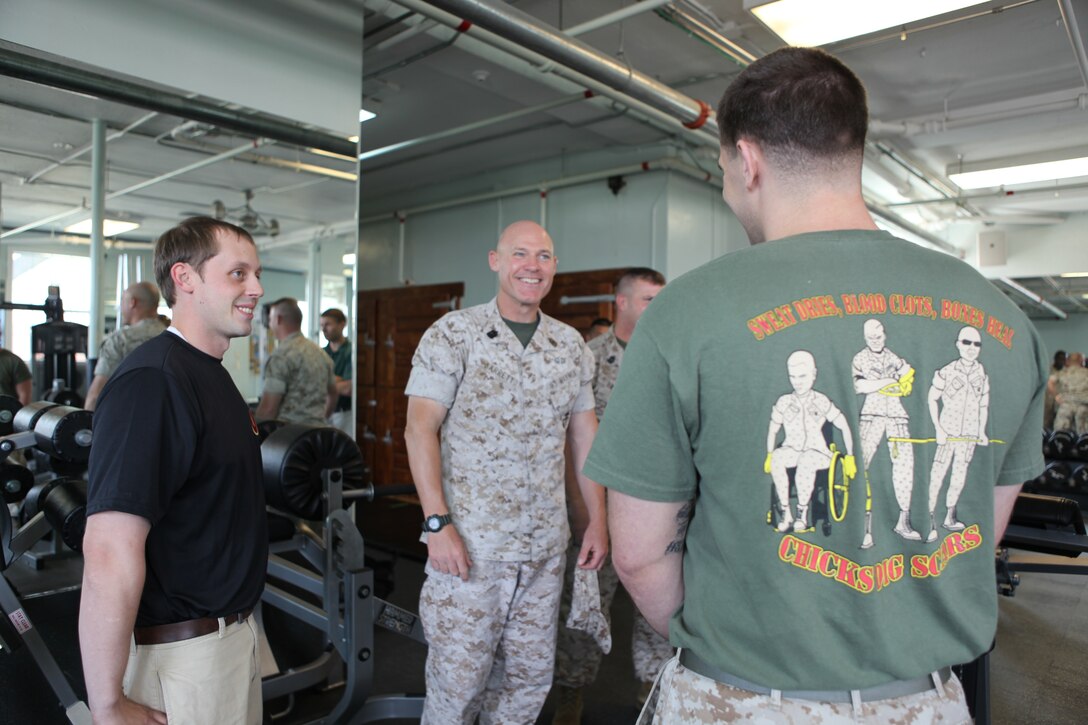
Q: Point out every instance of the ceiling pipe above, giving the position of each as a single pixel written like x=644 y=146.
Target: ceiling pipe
x=1069 y=16
x=499 y=50
x=1002 y=195
x=84 y=149
x=142 y=185
x=708 y=34
x=475 y=125
x=895 y=219
x=1061 y=291
x=965 y=119
x=16 y=62
x=615 y=16
x=1056 y=311
x=663 y=164
x=531 y=33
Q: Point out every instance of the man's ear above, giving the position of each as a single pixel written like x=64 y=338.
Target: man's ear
x=752 y=161
x=182 y=274
x=493 y=260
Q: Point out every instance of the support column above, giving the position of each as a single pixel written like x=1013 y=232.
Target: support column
x=98 y=246
x=313 y=291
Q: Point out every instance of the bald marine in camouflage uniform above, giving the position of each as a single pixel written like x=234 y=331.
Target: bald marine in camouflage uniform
x=578 y=656
x=139 y=315
x=299 y=384
x=495 y=392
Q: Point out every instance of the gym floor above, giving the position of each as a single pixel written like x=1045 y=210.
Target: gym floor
x=1037 y=671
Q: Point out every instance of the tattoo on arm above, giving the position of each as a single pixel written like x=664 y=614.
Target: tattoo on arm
x=683 y=516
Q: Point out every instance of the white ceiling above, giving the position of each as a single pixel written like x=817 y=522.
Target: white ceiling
x=1003 y=82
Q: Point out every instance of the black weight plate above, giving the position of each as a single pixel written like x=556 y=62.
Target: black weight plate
x=293 y=457
x=29 y=414
x=9 y=406
x=1062 y=443
x=64 y=433
x=15 y=482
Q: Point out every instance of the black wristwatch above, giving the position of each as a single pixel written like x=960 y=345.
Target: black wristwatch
x=434 y=523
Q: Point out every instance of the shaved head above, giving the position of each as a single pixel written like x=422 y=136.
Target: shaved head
x=523 y=231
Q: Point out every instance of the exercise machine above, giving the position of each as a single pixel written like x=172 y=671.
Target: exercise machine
x=56 y=504
x=311 y=474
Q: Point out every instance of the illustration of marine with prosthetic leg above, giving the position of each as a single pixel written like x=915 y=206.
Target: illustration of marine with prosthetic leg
x=883 y=378
x=803 y=414
x=959 y=404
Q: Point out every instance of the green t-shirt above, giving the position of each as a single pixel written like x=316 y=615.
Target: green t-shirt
x=855 y=340
x=523 y=331
x=12 y=372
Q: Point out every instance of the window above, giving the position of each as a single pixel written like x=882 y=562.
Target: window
x=32 y=273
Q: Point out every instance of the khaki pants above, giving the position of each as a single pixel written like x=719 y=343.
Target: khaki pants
x=684 y=697
x=491 y=641
x=211 y=679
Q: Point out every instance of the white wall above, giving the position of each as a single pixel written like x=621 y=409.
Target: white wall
x=660 y=219
x=1033 y=251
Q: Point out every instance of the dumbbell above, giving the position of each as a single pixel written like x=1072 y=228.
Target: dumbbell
x=9 y=406
x=1078 y=479
x=1056 y=475
x=59 y=430
x=64 y=503
x=15 y=482
x=1080 y=447
x=1062 y=444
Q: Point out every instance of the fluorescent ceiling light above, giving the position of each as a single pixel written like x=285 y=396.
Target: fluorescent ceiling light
x=808 y=23
x=110 y=227
x=365 y=115
x=348 y=259
x=965 y=177
x=1069 y=275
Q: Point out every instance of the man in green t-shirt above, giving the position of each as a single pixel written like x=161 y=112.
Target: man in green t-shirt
x=14 y=376
x=816 y=621
x=333 y=322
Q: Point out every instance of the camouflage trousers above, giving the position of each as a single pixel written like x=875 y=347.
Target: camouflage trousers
x=1072 y=416
x=577 y=655
x=684 y=697
x=491 y=641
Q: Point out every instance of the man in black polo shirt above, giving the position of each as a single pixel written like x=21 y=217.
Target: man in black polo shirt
x=176 y=545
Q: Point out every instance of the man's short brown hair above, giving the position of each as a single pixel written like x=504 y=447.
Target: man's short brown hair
x=800 y=104
x=192 y=242
x=288 y=310
x=335 y=314
x=644 y=273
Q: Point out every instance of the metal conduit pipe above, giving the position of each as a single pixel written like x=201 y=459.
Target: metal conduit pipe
x=663 y=164
x=707 y=34
x=136 y=187
x=17 y=63
x=1075 y=38
x=1048 y=191
x=501 y=51
x=84 y=149
x=529 y=32
x=615 y=16
x=893 y=218
x=483 y=123
x=1056 y=311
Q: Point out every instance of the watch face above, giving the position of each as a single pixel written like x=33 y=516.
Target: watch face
x=433 y=524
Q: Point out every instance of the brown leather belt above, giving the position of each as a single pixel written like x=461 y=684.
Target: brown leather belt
x=180 y=631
